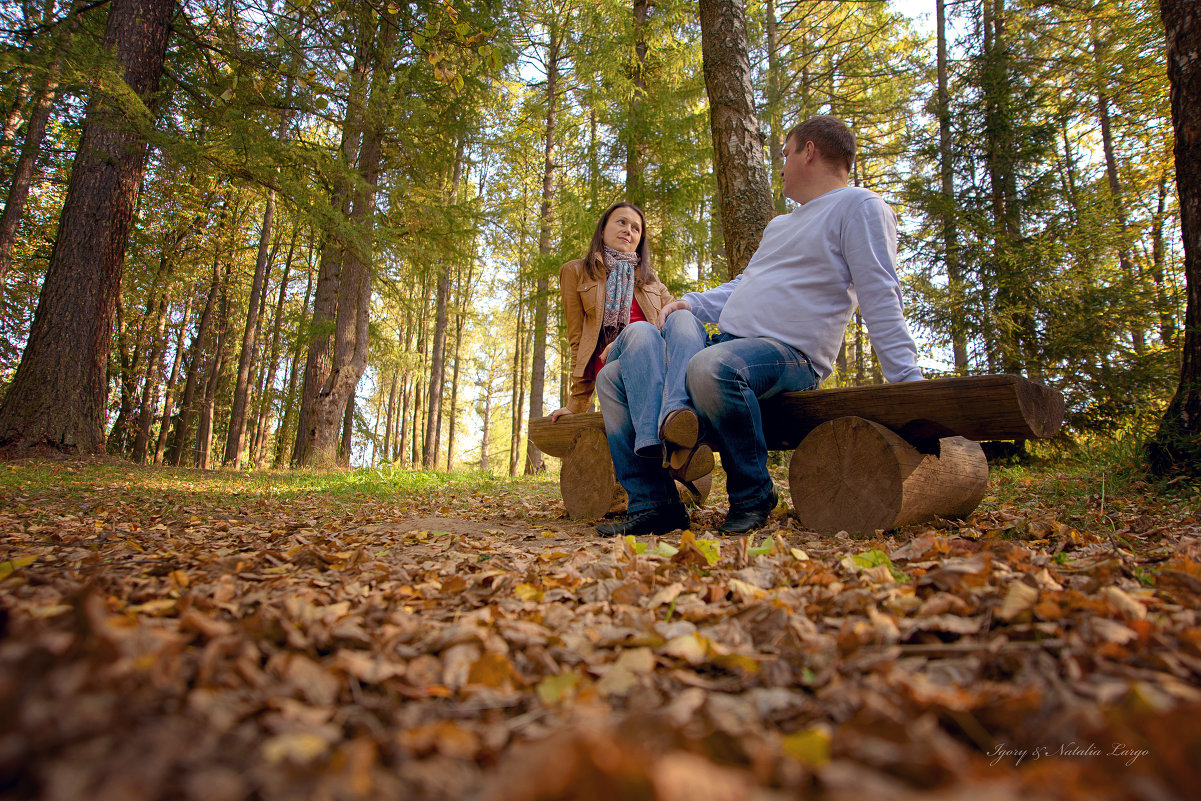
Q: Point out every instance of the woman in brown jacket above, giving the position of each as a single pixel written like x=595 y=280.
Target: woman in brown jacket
x=612 y=286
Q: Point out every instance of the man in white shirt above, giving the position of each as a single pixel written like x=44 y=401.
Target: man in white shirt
x=781 y=324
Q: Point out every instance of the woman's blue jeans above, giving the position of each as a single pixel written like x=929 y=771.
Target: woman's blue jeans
x=650 y=373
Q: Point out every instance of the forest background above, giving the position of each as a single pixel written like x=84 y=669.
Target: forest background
x=450 y=156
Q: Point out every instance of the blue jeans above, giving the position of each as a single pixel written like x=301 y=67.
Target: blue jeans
x=642 y=381
x=651 y=373
x=726 y=381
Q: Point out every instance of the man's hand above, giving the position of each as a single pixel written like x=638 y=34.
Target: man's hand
x=674 y=306
x=557 y=413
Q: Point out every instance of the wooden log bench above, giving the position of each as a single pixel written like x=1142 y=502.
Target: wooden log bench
x=864 y=458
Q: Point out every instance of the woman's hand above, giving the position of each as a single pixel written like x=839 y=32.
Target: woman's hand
x=604 y=354
x=557 y=413
x=674 y=306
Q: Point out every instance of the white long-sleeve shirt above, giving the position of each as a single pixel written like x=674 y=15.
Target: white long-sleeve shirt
x=811 y=269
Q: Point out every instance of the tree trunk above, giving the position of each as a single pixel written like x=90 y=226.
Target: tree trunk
x=533 y=463
x=433 y=425
x=241 y=399
x=950 y=235
x=349 y=360
x=1177 y=444
x=187 y=409
x=743 y=186
x=58 y=395
x=460 y=319
x=325 y=304
x=1125 y=262
x=289 y=402
x=635 y=127
x=150 y=388
x=391 y=411
x=267 y=384
x=160 y=446
x=775 y=122
x=216 y=369
x=35 y=133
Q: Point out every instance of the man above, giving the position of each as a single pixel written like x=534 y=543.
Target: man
x=781 y=325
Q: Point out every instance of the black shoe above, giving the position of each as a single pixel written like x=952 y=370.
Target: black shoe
x=653 y=521
x=740 y=521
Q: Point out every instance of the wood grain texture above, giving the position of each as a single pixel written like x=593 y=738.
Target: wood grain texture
x=587 y=480
x=990 y=407
x=556 y=438
x=855 y=475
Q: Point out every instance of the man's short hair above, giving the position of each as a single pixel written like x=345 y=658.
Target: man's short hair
x=831 y=136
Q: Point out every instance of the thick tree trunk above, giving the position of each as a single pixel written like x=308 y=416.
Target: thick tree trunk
x=57 y=397
x=743 y=186
x=1177 y=444
x=325 y=304
x=349 y=359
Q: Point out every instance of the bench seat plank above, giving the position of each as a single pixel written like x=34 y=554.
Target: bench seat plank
x=987 y=407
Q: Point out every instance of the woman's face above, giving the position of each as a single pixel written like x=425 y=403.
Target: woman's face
x=623 y=230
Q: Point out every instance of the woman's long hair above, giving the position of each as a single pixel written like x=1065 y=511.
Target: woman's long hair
x=594 y=259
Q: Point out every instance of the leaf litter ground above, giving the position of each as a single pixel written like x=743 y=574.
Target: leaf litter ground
x=189 y=635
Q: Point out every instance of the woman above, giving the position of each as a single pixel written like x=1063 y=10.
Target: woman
x=611 y=287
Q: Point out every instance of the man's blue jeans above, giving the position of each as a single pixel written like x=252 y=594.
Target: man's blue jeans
x=726 y=381
x=651 y=373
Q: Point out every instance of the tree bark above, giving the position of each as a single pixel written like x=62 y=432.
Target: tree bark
x=533 y=458
x=58 y=394
x=775 y=122
x=187 y=408
x=35 y=133
x=150 y=387
x=433 y=424
x=1177 y=444
x=349 y=358
x=950 y=235
x=633 y=135
x=160 y=445
x=743 y=186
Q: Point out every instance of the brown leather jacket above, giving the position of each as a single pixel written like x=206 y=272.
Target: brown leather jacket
x=583 y=305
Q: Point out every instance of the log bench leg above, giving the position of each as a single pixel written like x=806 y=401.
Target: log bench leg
x=854 y=475
x=589 y=485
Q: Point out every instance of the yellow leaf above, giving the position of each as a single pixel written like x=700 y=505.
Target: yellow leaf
x=811 y=746
x=527 y=592
x=296 y=747
x=800 y=555
x=553 y=689
x=12 y=565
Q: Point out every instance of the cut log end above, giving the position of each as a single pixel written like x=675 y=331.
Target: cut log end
x=854 y=475
x=587 y=480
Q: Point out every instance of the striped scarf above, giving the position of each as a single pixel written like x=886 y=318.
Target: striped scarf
x=619 y=291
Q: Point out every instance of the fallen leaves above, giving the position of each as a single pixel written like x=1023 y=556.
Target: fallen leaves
x=441 y=646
